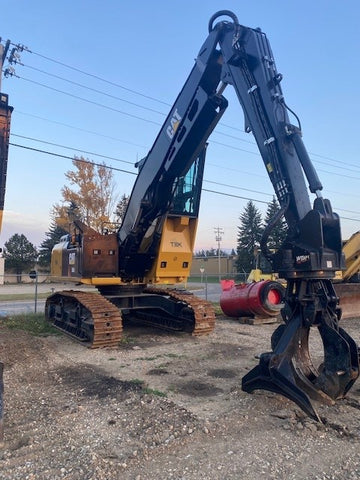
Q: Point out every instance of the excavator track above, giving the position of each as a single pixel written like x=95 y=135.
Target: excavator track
x=88 y=317
x=203 y=311
x=96 y=321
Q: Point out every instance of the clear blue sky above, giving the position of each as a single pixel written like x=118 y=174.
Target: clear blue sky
x=149 y=47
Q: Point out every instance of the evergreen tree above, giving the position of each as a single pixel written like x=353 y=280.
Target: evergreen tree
x=19 y=254
x=249 y=235
x=277 y=235
x=121 y=207
x=52 y=238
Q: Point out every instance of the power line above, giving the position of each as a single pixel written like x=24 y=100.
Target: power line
x=152 y=110
x=88 y=101
x=81 y=129
x=135 y=92
x=126 y=113
x=22 y=48
x=114 y=84
x=114 y=97
x=159 y=124
x=72 y=148
x=71 y=158
x=156 y=123
x=133 y=173
x=132 y=163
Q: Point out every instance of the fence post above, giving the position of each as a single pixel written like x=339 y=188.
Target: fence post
x=34 y=276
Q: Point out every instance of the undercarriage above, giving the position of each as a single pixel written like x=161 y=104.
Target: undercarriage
x=97 y=320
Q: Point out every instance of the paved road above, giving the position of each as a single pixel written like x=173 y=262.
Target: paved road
x=208 y=291
x=21 y=306
x=28 y=306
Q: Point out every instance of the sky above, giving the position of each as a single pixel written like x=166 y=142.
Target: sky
x=129 y=60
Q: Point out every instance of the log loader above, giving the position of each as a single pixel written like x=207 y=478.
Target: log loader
x=148 y=247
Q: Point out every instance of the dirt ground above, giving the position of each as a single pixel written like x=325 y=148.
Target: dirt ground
x=164 y=406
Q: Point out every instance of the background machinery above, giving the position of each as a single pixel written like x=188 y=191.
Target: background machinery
x=147 y=249
x=261 y=295
x=347 y=282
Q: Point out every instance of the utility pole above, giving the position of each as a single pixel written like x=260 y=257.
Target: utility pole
x=3 y=53
x=1 y=62
x=218 y=232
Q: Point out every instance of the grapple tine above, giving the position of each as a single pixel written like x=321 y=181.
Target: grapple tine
x=279 y=373
x=341 y=363
x=264 y=377
x=354 y=357
x=289 y=370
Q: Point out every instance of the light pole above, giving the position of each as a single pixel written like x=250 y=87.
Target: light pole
x=218 y=232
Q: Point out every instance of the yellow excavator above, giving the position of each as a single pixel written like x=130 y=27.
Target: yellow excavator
x=133 y=268
x=154 y=242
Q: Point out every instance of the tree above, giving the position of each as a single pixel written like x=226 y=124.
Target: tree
x=19 y=254
x=213 y=252
x=121 y=207
x=278 y=233
x=52 y=238
x=249 y=236
x=91 y=194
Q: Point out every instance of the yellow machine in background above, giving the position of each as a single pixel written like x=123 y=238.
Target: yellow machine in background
x=351 y=249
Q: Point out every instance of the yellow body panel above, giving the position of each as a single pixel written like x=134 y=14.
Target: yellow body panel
x=173 y=262
x=351 y=250
x=56 y=260
x=100 y=281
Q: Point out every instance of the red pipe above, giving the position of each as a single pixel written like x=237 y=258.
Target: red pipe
x=257 y=299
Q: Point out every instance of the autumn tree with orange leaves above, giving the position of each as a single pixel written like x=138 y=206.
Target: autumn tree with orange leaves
x=90 y=195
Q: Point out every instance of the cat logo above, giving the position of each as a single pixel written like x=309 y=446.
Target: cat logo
x=174 y=123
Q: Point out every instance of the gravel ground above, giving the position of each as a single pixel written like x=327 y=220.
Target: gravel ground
x=164 y=406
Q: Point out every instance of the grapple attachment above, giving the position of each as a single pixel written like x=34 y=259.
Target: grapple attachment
x=289 y=369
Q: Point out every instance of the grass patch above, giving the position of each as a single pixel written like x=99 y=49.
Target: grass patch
x=33 y=323
x=149 y=359
x=152 y=391
x=173 y=355
x=125 y=340
x=217 y=308
x=147 y=390
x=137 y=381
x=198 y=279
x=22 y=296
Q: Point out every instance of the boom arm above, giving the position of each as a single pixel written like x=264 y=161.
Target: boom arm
x=181 y=139
x=240 y=56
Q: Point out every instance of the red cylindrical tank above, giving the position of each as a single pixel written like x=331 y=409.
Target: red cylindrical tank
x=257 y=299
